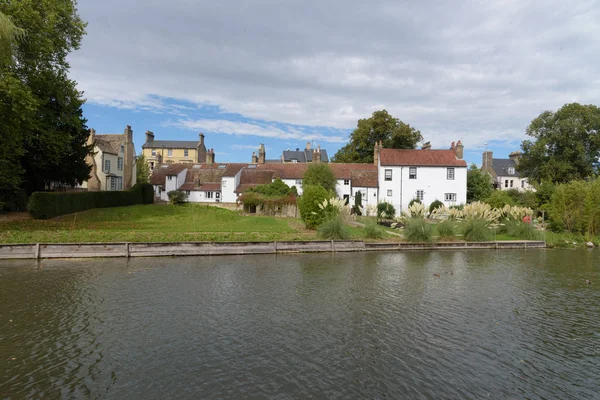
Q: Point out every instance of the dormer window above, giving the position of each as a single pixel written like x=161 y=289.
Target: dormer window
x=511 y=170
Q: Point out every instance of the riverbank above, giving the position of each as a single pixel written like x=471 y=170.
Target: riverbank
x=95 y=250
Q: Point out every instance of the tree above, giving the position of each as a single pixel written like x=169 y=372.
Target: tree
x=52 y=146
x=565 y=145
x=308 y=205
x=320 y=174
x=9 y=35
x=142 y=171
x=479 y=184
x=381 y=126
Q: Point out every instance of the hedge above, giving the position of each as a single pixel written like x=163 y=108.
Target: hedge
x=45 y=205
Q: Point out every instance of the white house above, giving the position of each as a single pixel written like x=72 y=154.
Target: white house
x=425 y=175
x=113 y=161
x=504 y=171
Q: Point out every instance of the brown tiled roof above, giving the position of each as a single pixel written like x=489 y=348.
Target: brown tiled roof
x=364 y=178
x=425 y=158
x=233 y=169
x=344 y=171
x=210 y=187
x=297 y=170
x=109 y=143
x=253 y=177
x=161 y=171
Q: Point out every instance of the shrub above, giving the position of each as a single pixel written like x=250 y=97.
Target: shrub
x=373 y=231
x=435 y=205
x=521 y=230
x=44 y=205
x=499 y=199
x=413 y=201
x=417 y=230
x=525 y=199
x=356 y=209
x=15 y=200
x=177 y=197
x=333 y=229
x=275 y=188
x=147 y=191
x=476 y=230
x=320 y=174
x=446 y=229
x=308 y=205
x=385 y=210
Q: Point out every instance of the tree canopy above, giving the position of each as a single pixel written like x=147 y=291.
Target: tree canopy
x=565 y=145
x=320 y=174
x=479 y=184
x=142 y=171
x=381 y=126
x=44 y=132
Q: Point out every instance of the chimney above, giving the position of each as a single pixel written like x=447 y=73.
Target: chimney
x=376 y=150
x=307 y=145
x=316 y=158
x=212 y=156
x=453 y=146
x=261 y=154
x=515 y=156
x=201 y=149
x=426 y=146
x=209 y=159
x=486 y=160
x=254 y=158
x=128 y=159
x=92 y=137
x=459 y=150
x=149 y=136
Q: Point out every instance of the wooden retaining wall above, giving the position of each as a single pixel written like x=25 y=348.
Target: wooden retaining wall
x=93 y=250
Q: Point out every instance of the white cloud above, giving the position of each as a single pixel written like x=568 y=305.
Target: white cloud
x=470 y=69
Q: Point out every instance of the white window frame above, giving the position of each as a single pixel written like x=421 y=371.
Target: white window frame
x=412 y=172
x=389 y=192
x=506 y=183
x=153 y=152
x=346 y=182
x=420 y=195
x=511 y=170
x=511 y=183
x=169 y=152
x=122 y=149
x=450 y=174
x=299 y=182
x=169 y=177
x=186 y=153
x=113 y=183
x=106 y=165
x=388 y=174
x=208 y=195
x=450 y=197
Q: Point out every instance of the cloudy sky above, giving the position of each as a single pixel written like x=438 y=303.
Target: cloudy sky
x=283 y=72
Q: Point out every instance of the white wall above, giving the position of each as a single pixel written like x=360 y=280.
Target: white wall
x=196 y=196
x=342 y=189
x=173 y=183
x=228 y=186
x=521 y=184
x=369 y=196
x=432 y=180
x=292 y=182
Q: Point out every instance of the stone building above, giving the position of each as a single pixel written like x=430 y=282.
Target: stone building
x=175 y=151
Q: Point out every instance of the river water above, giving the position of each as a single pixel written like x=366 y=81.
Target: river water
x=494 y=324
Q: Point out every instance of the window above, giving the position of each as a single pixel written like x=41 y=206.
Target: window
x=186 y=152
x=450 y=197
x=154 y=152
x=511 y=183
x=420 y=194
x=122 y=149
x=106 y=165
x=346 y=199
x=299 y=182
x=389 y=193
x=223 y=183
x=412 y=173
x=388 y=174
x=170 y=152
x=169 y=177
x=119 y=183
x=187 y=192
x=506 y=183
x=120 y=163
x=293 y=160
x=346 y=182
x=511 y=170
x=113 y=183
x=152 y=166
x=522 y=184
x=450 y=174
x=209 y=195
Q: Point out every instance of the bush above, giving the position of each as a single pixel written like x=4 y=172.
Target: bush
x=357 y=203
x=436 y=204
x=333 y=229
x=44 y=205
x=320 y=174
x=13 y=200
x=476 y=230
x=446 y=229
x=385 y=210
x=499 y=199
x=521 y=230
x=524 y=199
x=413 y=201
x=177 y=197
x=147 y=191
x=273 y=189
x=308 y=205
x=373 y=231
x=417 y=230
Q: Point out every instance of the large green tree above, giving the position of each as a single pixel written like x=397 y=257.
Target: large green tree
x=565 y=145
x=381 y=126
x=142 y=170
x=51 y=140
x=9 y=35
x=479 y=184
x=319 y=174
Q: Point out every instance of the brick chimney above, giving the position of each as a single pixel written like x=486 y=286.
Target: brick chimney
x=128 y=159
x=316 y=157
x=149 y=136
x=460 y=149
x=426 y=146
x=378 y=147
x=254 y=158
x=201 y=149
x=515 y=156
x=210 y=157
x=307 y=145
x=262 y=154
x=486 y=160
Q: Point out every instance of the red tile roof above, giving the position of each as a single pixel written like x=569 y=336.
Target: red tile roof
x=161 y=171
x=210 y=187
x=424 y=158
x=297 y=170
x=253 y=177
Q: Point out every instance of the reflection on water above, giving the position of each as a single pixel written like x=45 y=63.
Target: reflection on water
x=506 y=324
